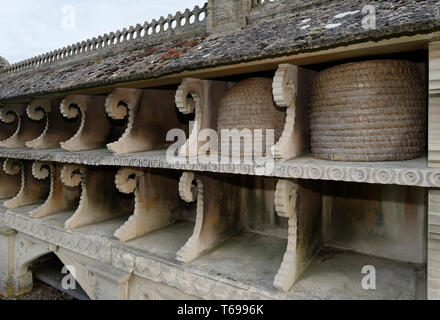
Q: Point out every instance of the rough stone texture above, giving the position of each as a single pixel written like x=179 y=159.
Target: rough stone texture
x=227 y=15
x=40 y=292
x=244 y=265
x=3 y=63
x=409 y=173
x=434 y=245
x=434 y=105
x=277 y=34
x=107 y=269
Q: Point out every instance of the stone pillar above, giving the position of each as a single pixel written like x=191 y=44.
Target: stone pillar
x=227 y=15
x=7 y=249
x=434 y=105
x=434 y=245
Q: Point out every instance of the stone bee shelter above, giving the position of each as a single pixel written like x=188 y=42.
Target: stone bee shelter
x=352 y=92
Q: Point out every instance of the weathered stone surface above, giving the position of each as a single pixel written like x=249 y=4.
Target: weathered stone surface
x=410 y=173
x=278 y=32
x=3 y=63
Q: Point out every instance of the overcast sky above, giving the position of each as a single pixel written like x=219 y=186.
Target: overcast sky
x=29 y=28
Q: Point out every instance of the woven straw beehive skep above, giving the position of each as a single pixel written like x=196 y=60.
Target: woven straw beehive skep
x=368 y=111
x=249 y=105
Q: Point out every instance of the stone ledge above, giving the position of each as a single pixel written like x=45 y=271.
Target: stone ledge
x=409 y=173
x=125 y=258
x=326 y=278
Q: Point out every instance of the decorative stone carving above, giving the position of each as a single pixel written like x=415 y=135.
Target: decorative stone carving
x=143 y=265
x=99 y=198
x=156 y=200
x=303 y=231
x=60 y=198
x=150 y=114
x=25 y=128
x=8 y=125
x=27 y=250
x=9 y=184
x=204 y=98
x=290 y=90
x=32 y=190
x=214 y=223
x=303 y=167
x=87 y=280
x=99 y=280
x=94 y=128
x=56 y=128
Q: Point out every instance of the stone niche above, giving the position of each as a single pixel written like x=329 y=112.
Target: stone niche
x=380 y=220
x=258 y=116
x=125 y=121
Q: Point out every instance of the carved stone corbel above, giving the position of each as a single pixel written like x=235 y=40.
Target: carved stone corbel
x=156 y=201
x=290 y=90
x=150 y=114
x=304 y=231
x=94 y=128
x=60 y=198
x=200 y=97
x=99 y=200
x=56 y=129
x=25 y=130
x=9 y=184
x=8 y=125
x=214 y=223
x=32 y=190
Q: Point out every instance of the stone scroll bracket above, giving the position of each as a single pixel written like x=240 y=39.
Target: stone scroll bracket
x=25 y=130
x=202 y=98
x=94 y=128
x=61 y=198
x=56 y=129
x=290 y=90
x=301 y=205
x=99 y=199
x=151 y=114
x=9 y=123
x=156 y=201
x=32 y=191
x=214 y=223
x=9 y=184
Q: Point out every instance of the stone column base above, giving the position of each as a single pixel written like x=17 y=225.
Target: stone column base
x=7 y=245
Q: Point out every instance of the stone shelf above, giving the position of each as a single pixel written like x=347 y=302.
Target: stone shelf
x=411 y=172
x=242 y=267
